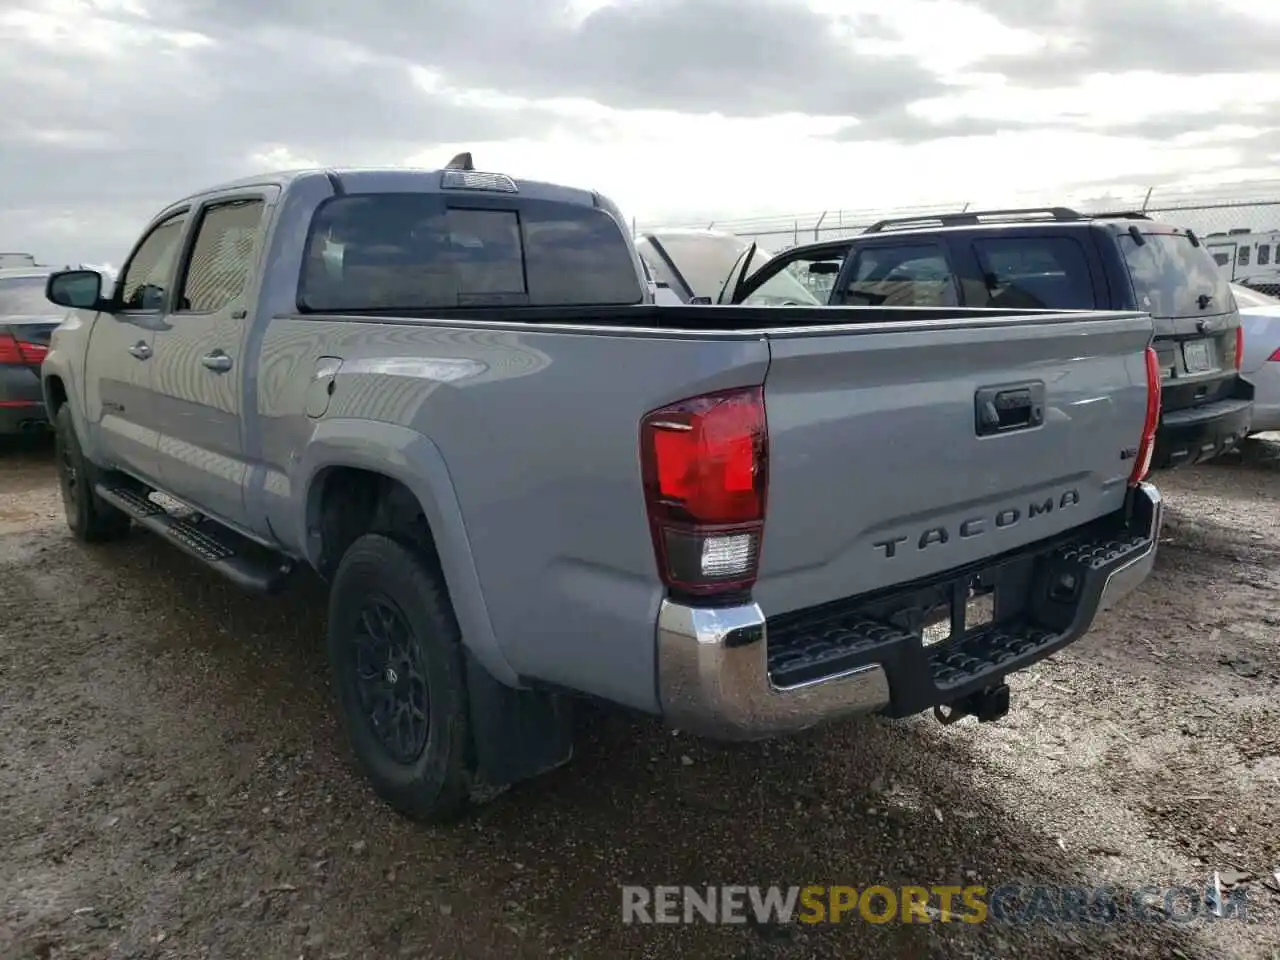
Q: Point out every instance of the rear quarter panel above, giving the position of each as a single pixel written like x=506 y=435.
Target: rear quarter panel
x=539 y=435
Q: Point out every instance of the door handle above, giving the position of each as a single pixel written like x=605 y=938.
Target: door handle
x=217 y=361
x=141 y=350
x=1017 y=406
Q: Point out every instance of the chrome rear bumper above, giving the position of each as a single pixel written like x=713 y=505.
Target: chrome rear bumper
x=713 y=669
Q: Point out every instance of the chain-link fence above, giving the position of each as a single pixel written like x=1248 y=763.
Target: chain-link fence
x=1240 y=221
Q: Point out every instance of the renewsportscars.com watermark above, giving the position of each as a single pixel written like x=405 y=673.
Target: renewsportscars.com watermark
x=1010 y=903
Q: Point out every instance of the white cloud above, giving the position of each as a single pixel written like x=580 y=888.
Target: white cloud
x=678 y=109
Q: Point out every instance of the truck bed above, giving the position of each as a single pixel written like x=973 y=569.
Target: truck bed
x=535 y=416
x=717 y=319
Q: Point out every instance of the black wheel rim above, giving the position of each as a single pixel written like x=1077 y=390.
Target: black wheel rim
x=390 y=680
x=68 y=474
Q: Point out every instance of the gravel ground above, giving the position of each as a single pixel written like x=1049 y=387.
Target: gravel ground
x=173 y=782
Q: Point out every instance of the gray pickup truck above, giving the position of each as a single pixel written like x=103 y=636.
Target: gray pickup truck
x=448 y=393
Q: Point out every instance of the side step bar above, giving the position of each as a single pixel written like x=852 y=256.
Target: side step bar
x=243 y=562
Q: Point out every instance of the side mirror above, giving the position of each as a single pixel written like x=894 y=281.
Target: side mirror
x=77 y=289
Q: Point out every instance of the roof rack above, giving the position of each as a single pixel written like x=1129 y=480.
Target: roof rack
x=1014 y=215
x=1120 y=215
x=969 y=217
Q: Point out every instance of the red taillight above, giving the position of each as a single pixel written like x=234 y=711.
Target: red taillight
x=1275 y=356
x=18 y=352
x=705 y=467
x=1146 y=447
x=1239 y=346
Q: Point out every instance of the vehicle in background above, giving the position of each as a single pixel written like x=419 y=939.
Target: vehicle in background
x=660 y=291
x=18 y=261
x=27 y=319
x=1260 y=319
x=448 y=393
x=694 y=264
x=1047 y=259
x=1248 y=257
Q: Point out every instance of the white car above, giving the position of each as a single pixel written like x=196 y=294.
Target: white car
x=698 y=264
x=1260 y=363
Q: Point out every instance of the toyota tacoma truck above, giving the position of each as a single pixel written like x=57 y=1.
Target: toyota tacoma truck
x=1054 y=258
x=449 y=394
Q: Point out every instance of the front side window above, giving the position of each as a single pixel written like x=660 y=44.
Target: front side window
x=911 y=275
x=144 y=284
x=222 y=258
x=414 y=252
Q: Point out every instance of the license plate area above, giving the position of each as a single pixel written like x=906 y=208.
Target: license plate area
x=1198 y=355
x=970 y=608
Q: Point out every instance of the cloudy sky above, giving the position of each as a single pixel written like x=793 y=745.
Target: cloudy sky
x=678 y=109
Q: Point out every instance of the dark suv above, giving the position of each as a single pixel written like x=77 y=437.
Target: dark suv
x=1054 y=259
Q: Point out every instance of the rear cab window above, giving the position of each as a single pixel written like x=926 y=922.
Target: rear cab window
x=903 y=275
x=423 y=251
x=1033 y=273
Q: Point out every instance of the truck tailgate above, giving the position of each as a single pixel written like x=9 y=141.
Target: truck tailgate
x=886 y=463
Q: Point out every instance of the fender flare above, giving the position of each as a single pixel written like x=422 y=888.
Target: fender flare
x=416 y=462
x=55 y=364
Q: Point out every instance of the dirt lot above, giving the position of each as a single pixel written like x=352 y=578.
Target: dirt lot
x=173 y=782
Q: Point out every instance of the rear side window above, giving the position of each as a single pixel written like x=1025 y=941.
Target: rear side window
x=1035 y=273
x=1171 y=274
x=1264 y=254
x=412 y=252
x=910 y=275
x=222 y=257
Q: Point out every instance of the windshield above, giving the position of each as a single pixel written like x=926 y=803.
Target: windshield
x=793 y=284
x=23 y=297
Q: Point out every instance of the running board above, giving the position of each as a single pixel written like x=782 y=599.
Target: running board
x=245 y=563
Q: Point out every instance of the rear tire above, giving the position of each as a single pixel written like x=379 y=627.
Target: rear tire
x=90 y=518
x=396 y=657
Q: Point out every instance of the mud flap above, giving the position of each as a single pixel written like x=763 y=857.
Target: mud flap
x=517 y=734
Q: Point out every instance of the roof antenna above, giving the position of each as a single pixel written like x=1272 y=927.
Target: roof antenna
x=461 y=162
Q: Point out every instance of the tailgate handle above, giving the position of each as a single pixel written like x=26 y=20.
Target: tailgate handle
x=1004 y=409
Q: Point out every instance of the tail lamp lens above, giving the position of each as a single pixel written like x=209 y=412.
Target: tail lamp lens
x=705 y=469
x=1239 y=346
x=1147 y=445
x=15 y=352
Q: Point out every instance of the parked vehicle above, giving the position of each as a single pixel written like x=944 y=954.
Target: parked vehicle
x=1260 y=318
x=1247 y=257
x=1053 y=259
x=660 y=291
x=446 y=392
x=27 y=319
x=694 y=263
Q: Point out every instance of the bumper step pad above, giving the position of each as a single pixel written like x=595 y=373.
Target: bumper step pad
x=810 y=646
